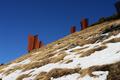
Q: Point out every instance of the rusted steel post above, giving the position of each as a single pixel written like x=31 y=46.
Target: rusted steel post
x=84 y=23
x=36 y=42
x=30 y=43
x=73 y=29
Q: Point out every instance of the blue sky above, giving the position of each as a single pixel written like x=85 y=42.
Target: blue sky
x=51 y=19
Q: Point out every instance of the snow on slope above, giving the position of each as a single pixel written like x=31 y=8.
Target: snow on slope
x=109 y=55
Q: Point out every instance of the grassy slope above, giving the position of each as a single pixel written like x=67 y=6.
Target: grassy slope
x=46 y=54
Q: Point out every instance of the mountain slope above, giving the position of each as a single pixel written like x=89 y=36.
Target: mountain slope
x=91 y=54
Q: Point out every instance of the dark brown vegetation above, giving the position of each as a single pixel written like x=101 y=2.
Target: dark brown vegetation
x=89 y=52
x=21 y=77
x=114 y=71
x=55 y=73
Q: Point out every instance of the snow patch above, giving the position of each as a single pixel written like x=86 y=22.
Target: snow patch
x=27 y=61
x=12 y=76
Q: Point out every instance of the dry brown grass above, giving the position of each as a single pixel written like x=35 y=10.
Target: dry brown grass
x=114 y=33
x=42 y=76
x=21 y=58
x=43 y=62
x=69 y=61
x=114 y=40
x=55 y=73
x=2 y=71
x=58 y=57
x=89 y=52
x=85 y=72
x=21 y=77
x=12 y=70
x=36 y=64
x=79 y=50
x=2 y=67
x=114 y=71
x=94 y=38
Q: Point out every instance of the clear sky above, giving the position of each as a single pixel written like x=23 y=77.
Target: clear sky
x=51 y=19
